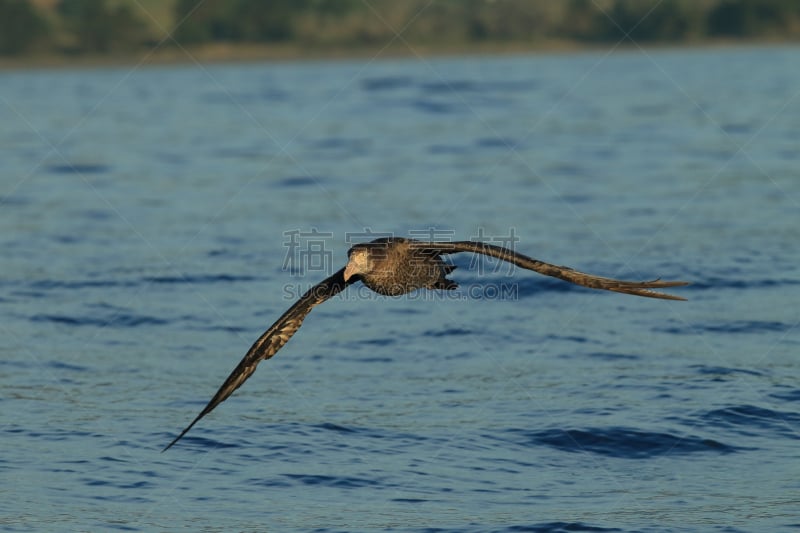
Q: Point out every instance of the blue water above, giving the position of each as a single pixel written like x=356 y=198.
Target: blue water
x=146 y=216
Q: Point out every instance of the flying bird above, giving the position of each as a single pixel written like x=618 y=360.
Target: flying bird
x=394 y=266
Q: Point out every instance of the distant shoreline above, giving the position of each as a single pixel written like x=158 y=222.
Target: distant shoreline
x=221 y=53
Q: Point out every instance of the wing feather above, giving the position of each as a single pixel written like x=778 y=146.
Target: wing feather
x=638 y=288
x=272 y=340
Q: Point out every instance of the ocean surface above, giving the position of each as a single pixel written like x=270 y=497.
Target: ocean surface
x=155 y=220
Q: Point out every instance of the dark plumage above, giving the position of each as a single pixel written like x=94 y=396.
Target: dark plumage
x=395 y=266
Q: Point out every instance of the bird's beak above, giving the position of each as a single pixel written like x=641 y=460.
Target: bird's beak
x=349 y=271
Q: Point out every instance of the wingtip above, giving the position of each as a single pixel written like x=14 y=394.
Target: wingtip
x=647 y=291
x=185 y=431
x=176 y=439
x=676 y=284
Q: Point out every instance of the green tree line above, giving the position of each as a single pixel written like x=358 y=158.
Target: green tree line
x=108 y=26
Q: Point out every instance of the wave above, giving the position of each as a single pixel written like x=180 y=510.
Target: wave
x=386 y=83
x=341 y=482
x=198 y=279
x=719 y=371
x=717 y=283
x=479 y=86
x=618 y=442
x=52 y=284
x=729 y=327
x=78 y=168
x=121 y=319
x=789 y=396
x=557 y=527
x=81 y=284
x=753 y=420
x=447 y=332
x=300 y=181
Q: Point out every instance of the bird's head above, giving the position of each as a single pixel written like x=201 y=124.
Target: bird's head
x=360 y=262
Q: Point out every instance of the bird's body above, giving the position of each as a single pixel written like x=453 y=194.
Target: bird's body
x=394 y=266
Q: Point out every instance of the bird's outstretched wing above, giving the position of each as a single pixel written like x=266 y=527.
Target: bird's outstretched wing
x=273 y=340
x=638 y=288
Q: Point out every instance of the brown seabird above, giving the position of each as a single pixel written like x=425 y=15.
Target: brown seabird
x=393 y=266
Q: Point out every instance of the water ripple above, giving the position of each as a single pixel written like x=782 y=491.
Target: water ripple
x=716 y=283
x=299 y=181
x=447 y=332
x=746 y=418
x=55 y=284
x=342 y=482
x=198 y=278
x=729 y=327
x=386 y=83
x=789 y=396
x=105 y=283
x=78 y=168
x=719 y=371
x=622 y=443
x=557 y=527
x=116 y=319
x=430 y=106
